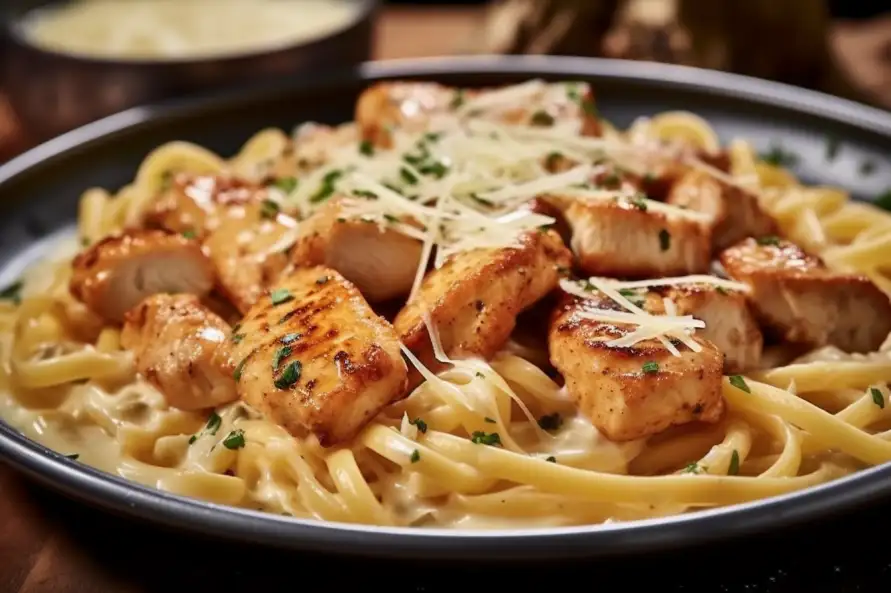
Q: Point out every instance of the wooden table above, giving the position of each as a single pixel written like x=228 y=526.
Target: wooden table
x=52 y=545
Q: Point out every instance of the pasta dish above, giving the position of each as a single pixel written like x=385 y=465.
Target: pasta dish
x=465 y=308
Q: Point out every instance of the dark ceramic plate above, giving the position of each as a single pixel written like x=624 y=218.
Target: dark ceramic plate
x=38 y=197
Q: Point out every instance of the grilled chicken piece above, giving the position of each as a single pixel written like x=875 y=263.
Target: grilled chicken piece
x=379 y=260
x=249 y=250
x=413 y=106
x=183 y=349
x=315 y=144
x=802 y=301
x=315 y=358
x=736 y=212
x=195 y=204
x=474 y=298
x=115 y=274
x=625 y=399
x=729 y=324
x=619 y=239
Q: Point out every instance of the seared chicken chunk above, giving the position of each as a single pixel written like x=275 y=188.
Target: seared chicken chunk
x=374 y=256
x=623 y=239
x=183 y=349
x=115 y=274
x=194 y=204
x=804 y=302
x=473 y=300
x=729 y=324
x=414 y=106
x=249 y=250
x=314 y=358
x=315 y=144
x=736 y=212
x=632 y=392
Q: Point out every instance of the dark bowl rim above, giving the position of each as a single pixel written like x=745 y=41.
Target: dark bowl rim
x=118 y=495
x=13 y=27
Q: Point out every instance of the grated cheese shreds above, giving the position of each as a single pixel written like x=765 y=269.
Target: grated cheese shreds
x=679 y=280
x=659 y=327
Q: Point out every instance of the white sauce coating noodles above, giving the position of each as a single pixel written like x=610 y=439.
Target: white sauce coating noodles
x=485 y=445
x=177 y=29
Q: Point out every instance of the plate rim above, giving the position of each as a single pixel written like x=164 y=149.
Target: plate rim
x=160 y=508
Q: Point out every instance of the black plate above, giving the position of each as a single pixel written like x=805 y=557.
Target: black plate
x=38 y=197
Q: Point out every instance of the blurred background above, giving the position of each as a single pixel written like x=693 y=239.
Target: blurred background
x=64 y=63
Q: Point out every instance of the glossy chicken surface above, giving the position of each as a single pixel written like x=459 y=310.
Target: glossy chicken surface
x=800 y=300
x=632 y=392
x=183 y=349
x=378 y=259
x=473 y=300
x=736 y=211
x=115 y=274
x=314 y=358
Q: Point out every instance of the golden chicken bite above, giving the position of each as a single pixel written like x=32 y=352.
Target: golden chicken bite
x=473 y=300
x=194 y=204
x=314 y=358
x=802 y=301
x=632 y=392
x=182 y=349
x=623 y=239
x=729 y=323
x=377 y=258
x=249 y=249
x=736 y=212
x=113 y=275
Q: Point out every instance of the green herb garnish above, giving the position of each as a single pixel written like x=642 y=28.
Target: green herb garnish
x=415 y=456
x=238 y=370
x=286 y=184
x=877 y=397
x=289 y=338
x=768 y=240
x=650 y=367
x=269 y=209
x=422 y=426
x=740 y=383
x=13 y=292
x=366 y=148
x=213 y=423
x=482 y=438
x=290 y=375
x=664 y=240
x=550 y=421
x=542 y=118
x=734 y=464
x=234 y=440
x=281 y=295
x=280 y=354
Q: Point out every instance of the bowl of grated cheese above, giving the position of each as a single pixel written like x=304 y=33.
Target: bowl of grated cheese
x=74 y=61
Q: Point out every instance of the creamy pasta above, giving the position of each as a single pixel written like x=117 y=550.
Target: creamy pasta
x=67 y=383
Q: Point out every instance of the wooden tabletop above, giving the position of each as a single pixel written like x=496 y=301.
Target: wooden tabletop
x=49 y=544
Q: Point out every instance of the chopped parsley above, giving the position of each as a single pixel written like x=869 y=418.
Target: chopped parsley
x=734 y=464
x=415 y=456
x=280 y=354
x=650 y=367
x=437 y=169
x=542 y=118
x=768 y=240
x=327 y=188
x=213 y=423
x=193 y=438
x=422 y=426
x=407 y=176
x=13 y=292
x=239 y=369
x=551 y=459
x=694 y=468
x=740 y=383
x=269 y=209
x=73 y=456
x=721 y=290
x=639 y=202
x=391 y=219
x=552 y=159
x=878 y=397
x=480 y=375
x=884 y=201
x=457 y=100
x=366 y=148
x=237 y=338
x=489 y=420
x=832 y=146
x=286 y=184
x=664 y=240
x=189 y=234
x=281 y=295
x=777 y=156
x=290 y=375
x=482 y=438
x=234 y=440
x=483 y=201
x=550 y=421
x=364 y=193
x=289 y=338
